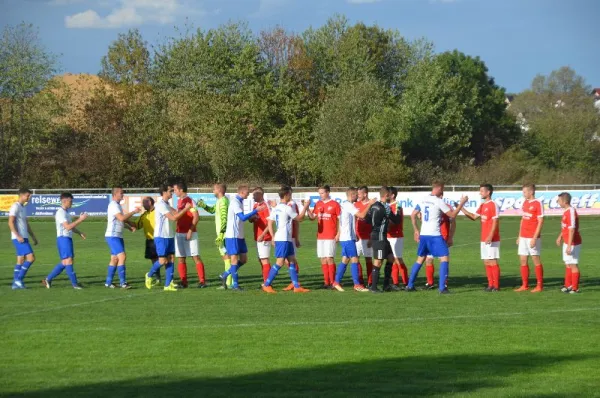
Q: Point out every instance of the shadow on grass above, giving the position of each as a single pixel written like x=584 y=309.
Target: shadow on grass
x=412 y=376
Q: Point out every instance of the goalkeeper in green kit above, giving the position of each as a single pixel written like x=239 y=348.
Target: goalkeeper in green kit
x=220 y=212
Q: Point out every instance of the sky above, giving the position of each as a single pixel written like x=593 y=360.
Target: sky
x=517 y=39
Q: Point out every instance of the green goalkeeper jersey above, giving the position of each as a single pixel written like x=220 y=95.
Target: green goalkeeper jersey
x=220 y=212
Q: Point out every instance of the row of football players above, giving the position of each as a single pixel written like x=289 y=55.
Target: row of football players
x=372 y=229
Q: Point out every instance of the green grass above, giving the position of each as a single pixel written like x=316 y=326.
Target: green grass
x=109 y=343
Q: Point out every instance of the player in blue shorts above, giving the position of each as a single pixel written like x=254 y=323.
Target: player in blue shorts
x=117 y=221
x=20 y=231
x=65 y=227
x=283 y=216
x=235 y=244
x=430 y=239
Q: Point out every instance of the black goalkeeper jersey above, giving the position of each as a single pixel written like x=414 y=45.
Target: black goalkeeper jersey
x=379 y=216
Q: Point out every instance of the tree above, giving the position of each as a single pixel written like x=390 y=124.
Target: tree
x=128 y=60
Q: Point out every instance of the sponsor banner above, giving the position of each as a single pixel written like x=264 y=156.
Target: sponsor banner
x=6 y=201
x=210 y=200
x=131 y=201
x=46 y=205
x=585 y=202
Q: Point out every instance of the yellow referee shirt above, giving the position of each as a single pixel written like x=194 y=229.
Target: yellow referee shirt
x=146 y=221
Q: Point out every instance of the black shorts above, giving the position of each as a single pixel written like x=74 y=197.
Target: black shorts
x=150 y=249
x=381 y=249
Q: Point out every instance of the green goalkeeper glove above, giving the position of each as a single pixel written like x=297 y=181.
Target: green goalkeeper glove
x=220 y=239
x=201 y=204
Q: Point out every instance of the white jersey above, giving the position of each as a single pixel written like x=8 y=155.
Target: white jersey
x=114 y=228
x=283 y=215
x=163 y=227
x=347 y=222
x=61 y=216
x=431 y=209
x=235 y=226
x=17 y=210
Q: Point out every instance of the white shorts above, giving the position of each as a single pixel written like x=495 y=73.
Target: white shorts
x=526 y=250
x=184 y=247
x=574 y=257
x=397 y=245
x=326 y=248
x=264 y=249
x=491 y=251
x=363 y=248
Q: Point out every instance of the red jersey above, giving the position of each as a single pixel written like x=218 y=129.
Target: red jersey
x=363 y=227
x=445 y=227
x=295 y=224
x=327 y=215
x=184 y=224
x=488 y=212
x=260 y=223
x=533 y=211
x=570 y=220
x=396 y=230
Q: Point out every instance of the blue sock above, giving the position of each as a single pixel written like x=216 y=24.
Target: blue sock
x=23 y=271
x=228 y=272
x=169 y=273
x=16 y=273
x=272 y=274
x=110 y=274
x=56 y=271
x=155 y=269
x=71 y=273
x=234 y=275
x=444 y=268
x=122 y=274
x=413 y=274
x=355 y=275
x=240 y=265
x=341 y=270
x=294 y=275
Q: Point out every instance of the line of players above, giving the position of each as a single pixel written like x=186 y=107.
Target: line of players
x=372 y=229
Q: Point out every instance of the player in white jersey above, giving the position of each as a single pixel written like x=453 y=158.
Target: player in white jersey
x=164 y=237
x=235 y=244
x=65 y=226
x=348 y=239
x=430 y=238
x=117 y=221
x=20 y=231
x=283 y=216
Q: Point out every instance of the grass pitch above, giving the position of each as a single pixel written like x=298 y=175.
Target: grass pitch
x=138 y=343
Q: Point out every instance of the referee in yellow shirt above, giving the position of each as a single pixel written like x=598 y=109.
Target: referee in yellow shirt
x=146 y=222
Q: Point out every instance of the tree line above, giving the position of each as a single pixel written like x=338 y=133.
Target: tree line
x=342 y=103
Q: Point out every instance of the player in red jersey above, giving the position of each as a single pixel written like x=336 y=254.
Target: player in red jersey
x=327 y=211
x=571 y=239
x=186 y=238
x=447 y=229
x=489 y=213
x=395 y=236
x=261 y=232
x=363 y=232
x=529 y=240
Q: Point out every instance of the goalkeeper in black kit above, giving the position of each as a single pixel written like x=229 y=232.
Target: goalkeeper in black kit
x=379 y=216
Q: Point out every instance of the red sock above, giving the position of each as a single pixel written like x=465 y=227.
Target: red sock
x=490 y=275
x=266 y=268
x=568 y=277
x=539 y=275
x=200 y=269
x=525 y=275
x=575 y=278
x=325 y=270
x=404 y=273
x=331 y=272
x=182 y=269
x=429 y=271
x=395 y=274
x=297 y=267
x=369 y=271
x=360 y=274
x=496 y=276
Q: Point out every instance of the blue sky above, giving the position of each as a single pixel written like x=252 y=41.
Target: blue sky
x=517 y=39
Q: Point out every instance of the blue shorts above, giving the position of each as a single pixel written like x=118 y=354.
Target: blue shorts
x=235 y=246
x=349 y=249
x=22 y=249
x=164 y=246
x=284 y=249
x=434 y=246
x=65 y=247
x=116 y=245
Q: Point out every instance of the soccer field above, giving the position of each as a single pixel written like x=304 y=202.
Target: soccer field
x=208 y=342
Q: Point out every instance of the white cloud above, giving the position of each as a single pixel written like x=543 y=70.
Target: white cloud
x=131 y=13
x=362 y=1
x=268 y=8
x=64 y=2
